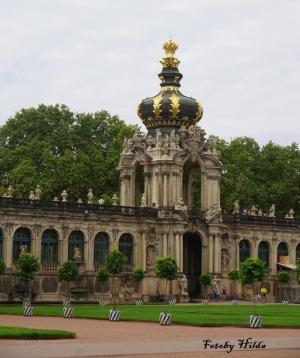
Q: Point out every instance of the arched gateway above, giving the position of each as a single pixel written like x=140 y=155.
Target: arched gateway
x=192 y=261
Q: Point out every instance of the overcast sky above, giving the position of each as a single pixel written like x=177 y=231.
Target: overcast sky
x=240 y=58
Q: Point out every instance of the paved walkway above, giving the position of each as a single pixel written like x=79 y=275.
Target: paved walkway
x=96 y=338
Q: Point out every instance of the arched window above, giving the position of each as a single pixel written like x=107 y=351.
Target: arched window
x=263 y=252
x=126 y=248
x=282 y=250
x=191 y=185
x=139 y=184
x=298 y=252
x=21 y=243
x=49 y=247
x=244 y=250
x=101 y=248
x=1 y=243
x=76 y=246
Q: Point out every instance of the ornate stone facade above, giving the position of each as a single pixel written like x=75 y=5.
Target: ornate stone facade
x=156 y=214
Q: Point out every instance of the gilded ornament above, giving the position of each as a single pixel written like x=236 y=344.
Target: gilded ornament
x=156 y=105
x=175 y=103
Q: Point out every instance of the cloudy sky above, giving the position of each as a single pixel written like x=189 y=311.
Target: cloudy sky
x=240 y=58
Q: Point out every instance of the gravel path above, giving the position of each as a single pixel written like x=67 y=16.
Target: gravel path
x=98 y=338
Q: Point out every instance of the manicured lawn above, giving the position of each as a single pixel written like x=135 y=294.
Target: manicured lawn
x=32 y=333
x=211 y=315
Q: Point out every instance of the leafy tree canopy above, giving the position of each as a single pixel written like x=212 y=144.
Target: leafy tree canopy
x=167 y=268
x=205 y=279
x=252 y=270
x=283 y=277
x=260 y=176
x=28 y=266
x=2 y=266
x=68 y=271
x=115 y=262
x=59 y=149
x=138 y=274
x=234 y=275
x=103 y=274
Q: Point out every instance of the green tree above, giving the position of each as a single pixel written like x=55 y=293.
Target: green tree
x=68 y=272
x=260 y=176
x=252 y=270
x=115 y=265
x=102 y=276
x=138 y=276
x=28 y=266
x=2 y=266
x=205 y=281
x=298 y=271
x=166 y=268
x=76 y=151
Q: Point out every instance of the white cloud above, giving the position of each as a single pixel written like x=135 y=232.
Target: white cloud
x=240 y=58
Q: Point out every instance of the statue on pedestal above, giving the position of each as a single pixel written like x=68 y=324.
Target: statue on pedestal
x=77 y=254
x=90 y=196
x=183 y=285
x=114 y=200
x=64 y=195
x=236 y=207
x=272 y=211
x=143 y=201
x=38 y=192
x=31 y=195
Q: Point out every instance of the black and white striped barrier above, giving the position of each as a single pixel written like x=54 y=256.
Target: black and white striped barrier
x=68 y=312
x=139 y=303
x=235 y=302
x=28 y=310
x=66 y=303
x=26 y=302
x=165 y=319
x=172 y=302
x=285 y=302
x=255 y=321
x=114 y=315
x=204 y=302
x=102 y=303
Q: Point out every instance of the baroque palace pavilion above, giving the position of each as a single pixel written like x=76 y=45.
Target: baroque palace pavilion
x=155 y=215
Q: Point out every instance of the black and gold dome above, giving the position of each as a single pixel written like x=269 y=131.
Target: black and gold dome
x=169 y=108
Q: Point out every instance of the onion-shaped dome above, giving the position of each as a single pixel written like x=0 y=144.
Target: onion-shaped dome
x=169 y=108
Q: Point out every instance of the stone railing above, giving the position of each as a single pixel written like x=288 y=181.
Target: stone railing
x=71 y=207
x=259 y=220
x=49 y=267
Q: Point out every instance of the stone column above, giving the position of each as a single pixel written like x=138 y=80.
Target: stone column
x=154 y=189
x=65 y=237
x=146 y=188
x=143 y=248
x=8 y=245
x=217 y=254
x=292 y=252
x=273 y=263
x=176 y=248
x=210 y=252
x=165 y=192
x=181 y=252
x=165 y=244
x=90 y=249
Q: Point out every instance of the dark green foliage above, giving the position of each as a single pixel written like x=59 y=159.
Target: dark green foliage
x=138 y=274
x=102 y=274
x=234 y=275
x=260 y=176
x=205 y=279
x=115 y=265
x=115 y=262
x=2 y=266
x=252 y=270
x=28 y=266
x=283 y=277
x=298 y=271
x=166 y=268
x=59 y=149
x=68 y=271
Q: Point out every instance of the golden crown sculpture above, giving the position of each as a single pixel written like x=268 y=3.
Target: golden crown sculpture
x=169 y=60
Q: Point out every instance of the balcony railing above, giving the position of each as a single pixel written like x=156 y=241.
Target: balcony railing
x=259 y=220
x=71 y=207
